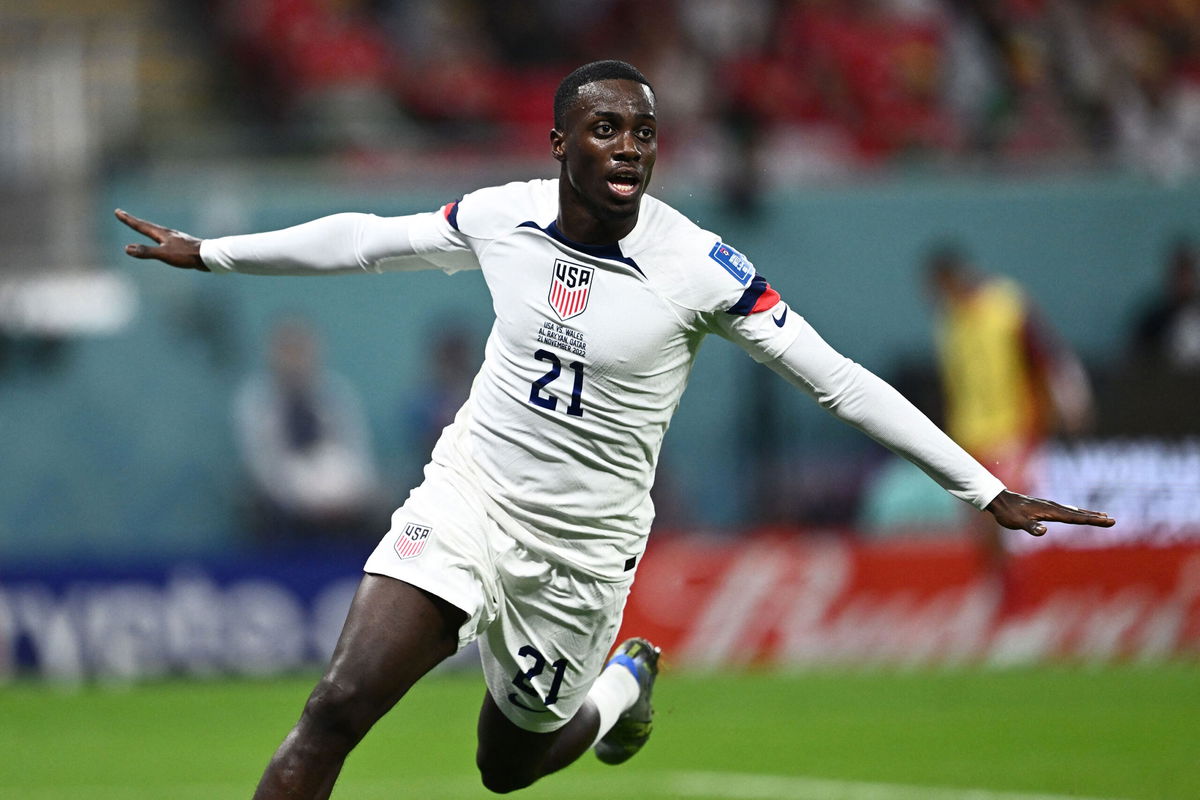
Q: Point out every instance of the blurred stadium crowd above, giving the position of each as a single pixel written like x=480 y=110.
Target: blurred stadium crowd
x=755 y=93
x=853 y=82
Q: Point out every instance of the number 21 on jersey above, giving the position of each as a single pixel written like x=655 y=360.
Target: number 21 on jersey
x=540 y=397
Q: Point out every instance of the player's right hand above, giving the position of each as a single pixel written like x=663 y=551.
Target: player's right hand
x=173 y=247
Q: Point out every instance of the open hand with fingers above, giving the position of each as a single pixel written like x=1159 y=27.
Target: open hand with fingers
x=173 y=247
x=1019 y=512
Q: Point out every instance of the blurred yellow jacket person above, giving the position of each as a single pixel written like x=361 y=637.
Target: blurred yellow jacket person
x=991 y=389
x=1008 y=382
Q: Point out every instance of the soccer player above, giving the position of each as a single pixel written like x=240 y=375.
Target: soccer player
x=527 y=529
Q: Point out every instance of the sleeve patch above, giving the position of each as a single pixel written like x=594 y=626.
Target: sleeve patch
x=450 y=212
x=734 y=262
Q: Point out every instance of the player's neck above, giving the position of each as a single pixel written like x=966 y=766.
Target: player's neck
x=598 y=233
x=580 y=223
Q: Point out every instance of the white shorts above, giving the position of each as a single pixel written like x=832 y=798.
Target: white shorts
x=544 y=630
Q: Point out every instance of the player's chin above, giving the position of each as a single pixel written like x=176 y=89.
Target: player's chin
x=623 y=199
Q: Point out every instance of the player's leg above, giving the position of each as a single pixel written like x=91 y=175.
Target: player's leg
x=394 y=634
x=615 y=718
x=511 y=758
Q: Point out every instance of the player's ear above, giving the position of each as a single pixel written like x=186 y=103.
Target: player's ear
x=557 y=141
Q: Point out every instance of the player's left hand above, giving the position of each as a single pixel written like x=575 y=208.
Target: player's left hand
x=1021 y=513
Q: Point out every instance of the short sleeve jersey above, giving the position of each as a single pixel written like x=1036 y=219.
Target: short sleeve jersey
x=587 y=360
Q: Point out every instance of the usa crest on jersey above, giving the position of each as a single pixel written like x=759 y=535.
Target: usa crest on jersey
x=411 y=542
x=569 y=288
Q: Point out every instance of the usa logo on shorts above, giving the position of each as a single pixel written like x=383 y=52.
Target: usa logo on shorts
x=411 y=542
x=569 y=288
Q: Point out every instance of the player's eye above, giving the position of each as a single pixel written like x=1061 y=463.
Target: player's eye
x=604 y=129
x=646 y=134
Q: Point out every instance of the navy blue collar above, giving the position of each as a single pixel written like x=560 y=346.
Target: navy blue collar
x=611 y=252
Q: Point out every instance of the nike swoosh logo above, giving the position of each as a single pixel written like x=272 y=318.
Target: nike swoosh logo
x=512 y=698
x=779 y=320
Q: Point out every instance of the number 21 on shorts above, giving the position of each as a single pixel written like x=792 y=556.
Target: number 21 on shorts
x=523 y=677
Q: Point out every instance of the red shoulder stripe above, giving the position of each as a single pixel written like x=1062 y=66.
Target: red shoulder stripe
x=766 y=300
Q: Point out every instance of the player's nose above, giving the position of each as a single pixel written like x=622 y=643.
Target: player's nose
x=627 y=148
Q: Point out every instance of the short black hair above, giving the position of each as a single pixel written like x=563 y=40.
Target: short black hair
x=608 y=70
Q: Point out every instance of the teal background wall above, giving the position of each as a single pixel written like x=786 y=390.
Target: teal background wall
x=124 y=450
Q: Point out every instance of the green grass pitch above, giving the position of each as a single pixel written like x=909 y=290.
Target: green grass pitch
x=1127 y=733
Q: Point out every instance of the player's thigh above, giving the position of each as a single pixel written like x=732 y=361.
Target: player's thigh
x=549 y=641
x=439 y=542
x=426 y=594
x=394 y=634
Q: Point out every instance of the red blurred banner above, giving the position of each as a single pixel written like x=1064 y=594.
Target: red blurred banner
x=792 y=601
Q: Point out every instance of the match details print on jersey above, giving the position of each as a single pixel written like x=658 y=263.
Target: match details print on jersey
x=570 y=286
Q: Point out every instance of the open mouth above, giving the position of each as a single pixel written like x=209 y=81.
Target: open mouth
x=624 y=185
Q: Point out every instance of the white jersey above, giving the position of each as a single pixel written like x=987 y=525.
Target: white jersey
x=587 y=360
x=589 y=356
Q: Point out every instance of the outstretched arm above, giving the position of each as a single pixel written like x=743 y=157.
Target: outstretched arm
x=339 y=243
x=860 y=398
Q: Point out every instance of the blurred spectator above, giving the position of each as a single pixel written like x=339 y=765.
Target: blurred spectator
x=873 y=70
x=1168 y=330
x=452 y=366
x=304 y=440
x=321 y=65
x=1008 y=380
x=831 y=84
x=1156 y=116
